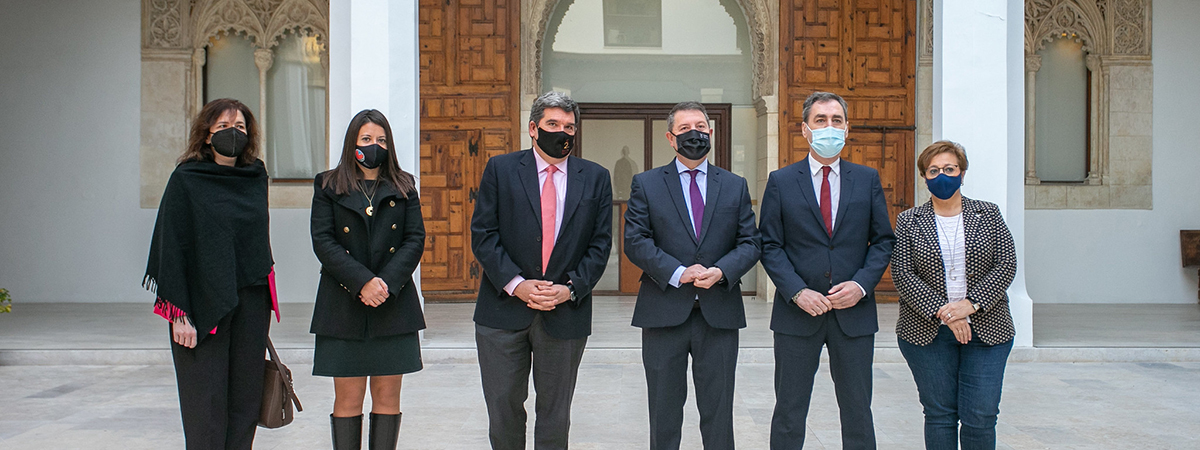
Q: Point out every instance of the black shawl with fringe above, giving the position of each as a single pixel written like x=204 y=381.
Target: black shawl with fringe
x=211 y=238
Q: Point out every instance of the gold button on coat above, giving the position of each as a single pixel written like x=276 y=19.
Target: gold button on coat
x=393 y=226
x=392 y=250
x=392 y=203
x=346 y=230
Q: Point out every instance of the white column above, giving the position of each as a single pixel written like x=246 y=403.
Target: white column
x=373 y=65
x=978 y=91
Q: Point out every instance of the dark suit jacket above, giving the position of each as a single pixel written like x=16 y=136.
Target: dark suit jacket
x=920 y=275
x=799 y=254
x=506 y=238
x=350 y=256
x=659 y=238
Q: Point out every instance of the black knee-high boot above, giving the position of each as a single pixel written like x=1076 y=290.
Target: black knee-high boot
x=347 y=432
x=385 y=431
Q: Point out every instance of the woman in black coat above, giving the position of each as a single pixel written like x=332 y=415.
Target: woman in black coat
x=953 y=261
x=209 y=265
x=368 y=234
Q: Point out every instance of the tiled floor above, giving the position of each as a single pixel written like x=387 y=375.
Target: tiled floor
x=1055 y=406
x=128 y=402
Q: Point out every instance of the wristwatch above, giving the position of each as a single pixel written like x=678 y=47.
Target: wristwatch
x=976 y=306
x=571 y=287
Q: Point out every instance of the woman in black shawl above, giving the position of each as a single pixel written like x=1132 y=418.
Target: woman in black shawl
x=368 y=234
x=210 y=267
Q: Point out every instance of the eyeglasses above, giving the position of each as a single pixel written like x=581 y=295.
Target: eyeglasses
x=950 y=170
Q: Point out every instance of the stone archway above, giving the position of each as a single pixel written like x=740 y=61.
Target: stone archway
x=760 y=18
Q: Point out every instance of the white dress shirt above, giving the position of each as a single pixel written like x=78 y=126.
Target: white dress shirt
x=685 y=180
x=835 y=184
x=560 y=191
x=835 y=192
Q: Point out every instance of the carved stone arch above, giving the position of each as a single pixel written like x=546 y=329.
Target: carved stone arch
x=1081 y=19
x=302 y=17
x=761 y=22
x=211 y=17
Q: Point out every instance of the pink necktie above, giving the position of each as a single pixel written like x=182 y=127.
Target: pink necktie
x=549 y=205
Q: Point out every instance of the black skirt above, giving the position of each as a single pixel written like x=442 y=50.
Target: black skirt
x=380 y=356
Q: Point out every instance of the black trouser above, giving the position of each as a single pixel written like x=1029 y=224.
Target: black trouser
x=221 y=380
x=796 y=361
x=714 y=362
x=504 y=364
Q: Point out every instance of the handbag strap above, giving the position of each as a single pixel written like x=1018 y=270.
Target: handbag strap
x=283 y=370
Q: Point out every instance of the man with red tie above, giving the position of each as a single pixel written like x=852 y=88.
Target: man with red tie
x=542 y=231
x=690 y=228
x=826 y=241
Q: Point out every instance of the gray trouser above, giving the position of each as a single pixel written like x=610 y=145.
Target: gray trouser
x=505 y=358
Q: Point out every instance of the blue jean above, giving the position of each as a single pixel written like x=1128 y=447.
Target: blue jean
x=958 y=384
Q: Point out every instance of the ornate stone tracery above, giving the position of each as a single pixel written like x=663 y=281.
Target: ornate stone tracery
x=1115 y=39
x=175 y=34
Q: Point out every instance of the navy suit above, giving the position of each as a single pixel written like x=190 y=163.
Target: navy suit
x=510 y=336
x=676 y=321
x=799 y=253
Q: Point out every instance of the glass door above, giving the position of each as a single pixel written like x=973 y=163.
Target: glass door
x=628 y=138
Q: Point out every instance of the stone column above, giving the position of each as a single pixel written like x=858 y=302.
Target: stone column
x=978 y=96
x=767 y=108
x=263 y=59
x=1033 y=63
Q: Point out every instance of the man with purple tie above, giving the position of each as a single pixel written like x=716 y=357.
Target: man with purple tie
x=690 y=228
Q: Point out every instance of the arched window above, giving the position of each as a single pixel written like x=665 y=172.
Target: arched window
x=288 y=81
x=1062 y=131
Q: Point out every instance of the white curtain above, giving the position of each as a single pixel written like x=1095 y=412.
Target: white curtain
x=296 y=110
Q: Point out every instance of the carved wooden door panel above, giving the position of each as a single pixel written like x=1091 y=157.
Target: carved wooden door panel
x=865 y=51
x=469 y=112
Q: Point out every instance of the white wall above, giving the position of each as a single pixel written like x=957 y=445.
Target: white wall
x=70 y=225
x=71 y=229
x=1132 y=256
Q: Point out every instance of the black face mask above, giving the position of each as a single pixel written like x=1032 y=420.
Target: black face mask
x=693 y=144
x=230 y=142
x=370 y=156
x=556 y=144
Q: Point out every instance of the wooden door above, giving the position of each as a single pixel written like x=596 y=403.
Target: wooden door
x=865 y=51
x=469 y=112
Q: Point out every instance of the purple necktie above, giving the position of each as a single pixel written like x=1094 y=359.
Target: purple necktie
x=697 y=202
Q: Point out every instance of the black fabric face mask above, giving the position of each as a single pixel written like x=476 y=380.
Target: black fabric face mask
x=230 y=142
x=693 y=144
x=370 y=156
x=556 y=144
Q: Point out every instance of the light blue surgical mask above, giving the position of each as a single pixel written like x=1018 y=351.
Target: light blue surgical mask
x=828 y=141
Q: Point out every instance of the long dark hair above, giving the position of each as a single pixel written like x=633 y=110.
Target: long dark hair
x=344 y=178
x=198 y=150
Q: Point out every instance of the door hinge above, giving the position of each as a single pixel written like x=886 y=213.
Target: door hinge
x=474 y=270
x=473 y=146
x=472 y=195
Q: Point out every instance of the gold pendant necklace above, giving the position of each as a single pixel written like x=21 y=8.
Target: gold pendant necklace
x=370 y=199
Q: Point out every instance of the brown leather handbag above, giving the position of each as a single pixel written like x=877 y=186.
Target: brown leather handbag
x=278 y=394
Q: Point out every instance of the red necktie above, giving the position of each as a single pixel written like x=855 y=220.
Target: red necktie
x=826 y=207
x=549 y=205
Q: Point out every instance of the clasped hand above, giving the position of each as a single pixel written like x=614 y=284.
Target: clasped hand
x=542 y=295
x=954 y=315
x=841 y=296
x=701 y=277
x=374 y=293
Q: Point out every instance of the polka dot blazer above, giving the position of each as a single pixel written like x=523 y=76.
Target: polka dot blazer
x=920 y=276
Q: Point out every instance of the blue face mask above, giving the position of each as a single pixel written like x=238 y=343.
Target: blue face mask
x=828 y=141
x=943 y=186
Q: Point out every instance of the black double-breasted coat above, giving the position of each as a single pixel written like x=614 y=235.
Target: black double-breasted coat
x=352 y=253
